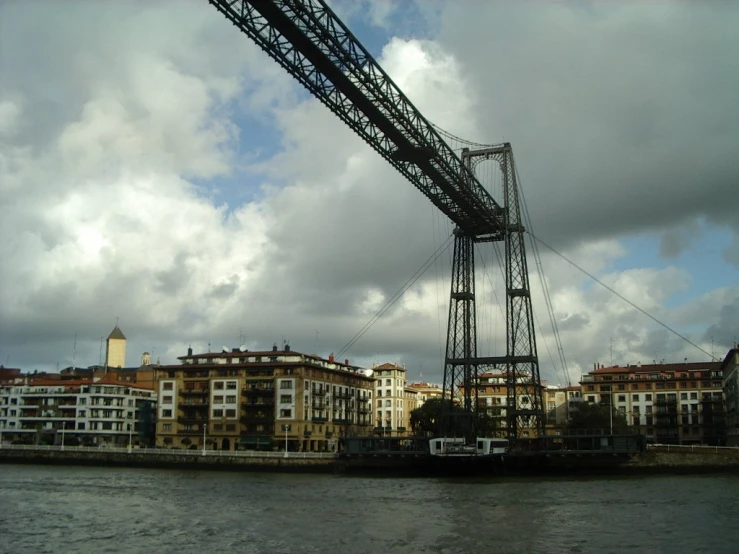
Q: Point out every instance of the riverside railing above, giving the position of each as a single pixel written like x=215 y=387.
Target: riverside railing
x=692 y=448
x=170 y=452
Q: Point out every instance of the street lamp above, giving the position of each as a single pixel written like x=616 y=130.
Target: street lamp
x=130 y=433
x=64 y=426
x=286 y=428
x=205 y=428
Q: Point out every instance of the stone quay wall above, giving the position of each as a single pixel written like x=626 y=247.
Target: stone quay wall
x=161 y=458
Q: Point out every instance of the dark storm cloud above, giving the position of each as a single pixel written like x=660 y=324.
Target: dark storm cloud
x=623 y=116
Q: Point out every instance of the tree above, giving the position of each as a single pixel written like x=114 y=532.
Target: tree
x=597 y=417
x=427 y=420
x=441 y=418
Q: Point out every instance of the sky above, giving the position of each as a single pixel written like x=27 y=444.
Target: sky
x=160 y=171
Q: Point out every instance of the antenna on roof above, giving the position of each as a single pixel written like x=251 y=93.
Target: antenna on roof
x=243 y=348
x=224 y=348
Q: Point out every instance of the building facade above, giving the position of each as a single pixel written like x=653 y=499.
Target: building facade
x=668 y=403
x=492 y=399
x=76 y=412
x=392 y=413
x=273 y=399
x=730 y=375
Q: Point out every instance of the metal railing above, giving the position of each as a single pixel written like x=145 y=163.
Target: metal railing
x=692 y=448
x=170 y=451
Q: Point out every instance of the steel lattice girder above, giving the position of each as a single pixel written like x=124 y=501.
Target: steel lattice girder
x=307 y=39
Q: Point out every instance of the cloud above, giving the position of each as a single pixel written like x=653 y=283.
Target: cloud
x=121 y=125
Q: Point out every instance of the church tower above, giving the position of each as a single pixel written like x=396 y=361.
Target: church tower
x=115 y=349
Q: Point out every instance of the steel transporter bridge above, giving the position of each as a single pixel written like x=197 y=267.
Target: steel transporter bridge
x=312 y=44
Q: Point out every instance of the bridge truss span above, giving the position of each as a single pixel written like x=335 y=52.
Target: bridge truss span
x=314 y=46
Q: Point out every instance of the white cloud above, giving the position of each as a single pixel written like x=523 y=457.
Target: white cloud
x=107 y=165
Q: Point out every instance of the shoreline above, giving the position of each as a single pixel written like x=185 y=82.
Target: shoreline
x=651 y=462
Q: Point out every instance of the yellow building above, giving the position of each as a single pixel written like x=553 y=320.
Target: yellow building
x=492 y=399
x=262 y=400
x=115 y=349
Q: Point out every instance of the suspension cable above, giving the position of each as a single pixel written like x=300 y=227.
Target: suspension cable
x=622 y=297
x=391 y=302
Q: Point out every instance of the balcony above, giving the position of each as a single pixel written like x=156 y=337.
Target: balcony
x=192 y=419
x=190 y=431
x=257 y=418
x=194 y=392
x=198 y=405
x=258 y=391
x=261 y=402
x=319 y=419
x=340 y=421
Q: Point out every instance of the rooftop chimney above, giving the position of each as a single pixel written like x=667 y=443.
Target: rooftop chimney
x=189 y=351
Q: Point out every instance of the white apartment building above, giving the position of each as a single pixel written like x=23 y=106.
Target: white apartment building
x=392 y=409
x=74 y=412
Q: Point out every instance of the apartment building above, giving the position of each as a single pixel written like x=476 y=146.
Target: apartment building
x=393 y=408
x=555 y=400
x=668 y=403
x=492 y=399
x=89 y=412
x=272 y=399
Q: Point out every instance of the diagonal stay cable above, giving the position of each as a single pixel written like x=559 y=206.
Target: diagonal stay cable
x=622 y=297
x=391 y=302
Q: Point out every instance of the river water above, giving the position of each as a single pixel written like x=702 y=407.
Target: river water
x=76 y=509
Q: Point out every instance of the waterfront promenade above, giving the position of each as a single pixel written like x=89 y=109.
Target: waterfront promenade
x=657 y=458
x=169 y=458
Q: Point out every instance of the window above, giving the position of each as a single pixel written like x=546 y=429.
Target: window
x=82 y=413
x=622 y=387
x=166 y=413
x=635 y=397
x=218 y=399
x=167 y=385
x=694 y=396
x=230 y=427
x=379 y=393
x=388 y=382
x=648 y=397
x=166 y=400
x=591 y=398
x=231 y=385
x=217 y=413
x=231 y=413
x=379 y=403
x=286 y=399
x=388 y=403
x=230 y=400
x=218 y=427
x=622 y=398
x=683 y=396
x=635 y=386
x=286 y=413
x=167 y=427
x=286 y=384
x=81 y=425
x=218 y=385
